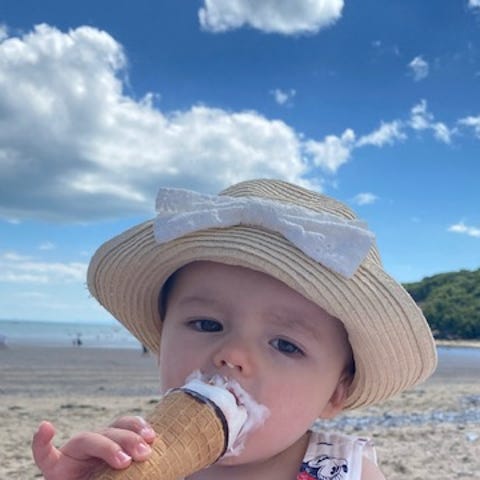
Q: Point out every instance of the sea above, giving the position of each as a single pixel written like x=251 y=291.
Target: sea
x=58 y=334
x=114 y=335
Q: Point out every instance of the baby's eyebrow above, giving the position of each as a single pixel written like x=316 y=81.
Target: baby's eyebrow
x=199 y=299
x=293 y=320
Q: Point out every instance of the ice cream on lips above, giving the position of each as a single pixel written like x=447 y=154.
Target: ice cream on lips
x=242 y=413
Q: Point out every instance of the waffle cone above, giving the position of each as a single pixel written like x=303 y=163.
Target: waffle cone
x=191 y=434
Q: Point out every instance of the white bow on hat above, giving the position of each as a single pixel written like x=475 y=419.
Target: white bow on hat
x=337 y=243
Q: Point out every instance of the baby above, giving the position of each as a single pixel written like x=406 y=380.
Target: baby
x=275 y=287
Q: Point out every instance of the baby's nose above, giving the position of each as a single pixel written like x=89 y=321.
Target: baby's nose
x=235 y=357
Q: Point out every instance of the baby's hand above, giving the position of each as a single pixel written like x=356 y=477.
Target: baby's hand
x=127 y=439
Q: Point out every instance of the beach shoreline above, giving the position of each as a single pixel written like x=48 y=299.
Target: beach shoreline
x=458 y=343
x=431 y=431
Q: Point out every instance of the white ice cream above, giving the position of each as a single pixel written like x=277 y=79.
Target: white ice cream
x=242 y=412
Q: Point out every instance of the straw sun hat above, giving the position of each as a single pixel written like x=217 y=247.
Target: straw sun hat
x=312 y=243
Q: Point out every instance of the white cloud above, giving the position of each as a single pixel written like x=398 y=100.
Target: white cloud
x=15 y=268
x=386 y=134
x=465 y=229
x=365 y=198
x=474 y=4
x=380 y=48
x=14 y=257
x=272 y=16
x=97 y=152
x=473 y=122
x=419 y=68
x=422 y=119
x=33 y=295
x=283 y=97
x=333 y=152
x=47 y=246
x=3 y=32
x=442 y=132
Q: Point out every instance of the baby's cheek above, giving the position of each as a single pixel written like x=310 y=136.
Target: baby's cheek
x=167 y=383
x=167 y=378
x=290 y=419
x=267 y=441
x=174 y=375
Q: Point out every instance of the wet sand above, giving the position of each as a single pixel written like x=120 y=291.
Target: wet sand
x=431 y=432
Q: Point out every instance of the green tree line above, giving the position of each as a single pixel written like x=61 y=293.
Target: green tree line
x=450 y=302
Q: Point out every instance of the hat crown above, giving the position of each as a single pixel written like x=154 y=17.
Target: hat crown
x=289 y=193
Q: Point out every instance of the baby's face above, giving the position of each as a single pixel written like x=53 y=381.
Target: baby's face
x=284 y=350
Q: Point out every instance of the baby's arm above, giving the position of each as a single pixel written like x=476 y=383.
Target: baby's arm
x=370 y=470
x=125 y=440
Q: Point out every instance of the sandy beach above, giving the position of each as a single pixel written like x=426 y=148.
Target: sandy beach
x=431 y=432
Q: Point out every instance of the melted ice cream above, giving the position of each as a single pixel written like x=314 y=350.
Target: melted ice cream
x=242 y=412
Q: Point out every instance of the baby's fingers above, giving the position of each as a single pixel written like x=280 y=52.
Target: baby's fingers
x=44 y=453
x=117 y=447
x=137 y=425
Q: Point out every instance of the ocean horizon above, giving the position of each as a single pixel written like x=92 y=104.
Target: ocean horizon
x=58 y=333
x=114 y=335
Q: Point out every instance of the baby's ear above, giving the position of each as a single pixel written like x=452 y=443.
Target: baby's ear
x=337 y=400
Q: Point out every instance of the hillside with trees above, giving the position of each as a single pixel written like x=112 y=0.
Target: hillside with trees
x=451 y=303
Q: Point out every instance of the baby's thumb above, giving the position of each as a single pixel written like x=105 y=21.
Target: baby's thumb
x=44 y=453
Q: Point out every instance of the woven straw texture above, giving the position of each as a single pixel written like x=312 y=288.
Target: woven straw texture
x=190 y=436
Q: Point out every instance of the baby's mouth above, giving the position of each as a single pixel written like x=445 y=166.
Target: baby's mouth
x=231 y=386
x=246 y=414
x=235 y=396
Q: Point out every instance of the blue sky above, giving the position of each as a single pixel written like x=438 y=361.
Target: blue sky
x=375 y=103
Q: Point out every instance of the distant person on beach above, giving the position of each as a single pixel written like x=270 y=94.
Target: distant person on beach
x=276 y=287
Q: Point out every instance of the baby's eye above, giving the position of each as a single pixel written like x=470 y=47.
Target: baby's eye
x=206 y=325
x=286 y=347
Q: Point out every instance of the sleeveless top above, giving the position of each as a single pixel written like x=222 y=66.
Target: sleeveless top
x=335 y=456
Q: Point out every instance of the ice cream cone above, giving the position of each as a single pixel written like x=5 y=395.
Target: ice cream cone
x=192 y=433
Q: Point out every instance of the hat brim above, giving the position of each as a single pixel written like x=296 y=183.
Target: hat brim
x=392 y=343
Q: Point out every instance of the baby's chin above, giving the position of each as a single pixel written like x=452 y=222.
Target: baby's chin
x=247 y=456
x=256 y=448
x=259 y=449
